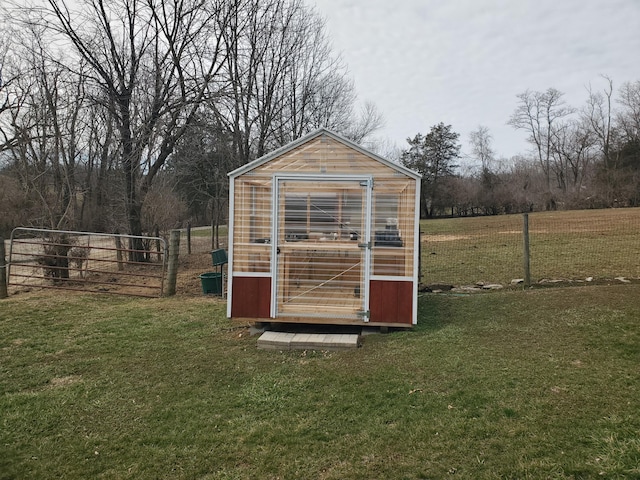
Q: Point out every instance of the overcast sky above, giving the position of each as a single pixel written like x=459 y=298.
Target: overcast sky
x=462 y=62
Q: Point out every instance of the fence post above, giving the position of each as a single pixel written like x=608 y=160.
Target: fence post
x=189 y=237
x=3 y=271
x=119 y=252
x=525 y=244
x=172 y=265
x=156 y=233
x=419 y=257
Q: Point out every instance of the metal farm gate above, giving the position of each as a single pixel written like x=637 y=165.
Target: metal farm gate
x=87 y=262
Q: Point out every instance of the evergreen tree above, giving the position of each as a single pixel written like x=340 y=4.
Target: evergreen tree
x=432 y=155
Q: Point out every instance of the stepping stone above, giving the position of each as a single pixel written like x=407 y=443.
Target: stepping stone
x=307 y=341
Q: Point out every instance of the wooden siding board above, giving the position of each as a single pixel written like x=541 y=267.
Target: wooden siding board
x=328 y=157
x=323 y=136
x=251 y=297
x=405 y=302
x=391 y=301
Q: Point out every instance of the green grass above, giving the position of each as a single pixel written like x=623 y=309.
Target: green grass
x=536 y=384
x=567 y=245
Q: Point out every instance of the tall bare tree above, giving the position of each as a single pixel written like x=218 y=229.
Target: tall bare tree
x=47 y=129
x=482 y=150
x=284 y=80
x=537 y=114
x=628 y=121
x=598 y=112
x=200 y=165
x=11 y=95
x=152 y=63
x=629 y=116
x=572 y=154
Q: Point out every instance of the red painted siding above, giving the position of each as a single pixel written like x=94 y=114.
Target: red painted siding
x=391 y=302
x=251 y=297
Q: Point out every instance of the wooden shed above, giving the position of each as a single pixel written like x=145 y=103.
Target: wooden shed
x=324 y=231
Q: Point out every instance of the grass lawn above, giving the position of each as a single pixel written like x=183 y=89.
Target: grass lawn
x=511 y=384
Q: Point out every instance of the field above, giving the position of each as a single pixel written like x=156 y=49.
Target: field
x=570 y=246
x=511 y=384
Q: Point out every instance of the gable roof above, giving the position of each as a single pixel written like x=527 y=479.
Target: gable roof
x=310 y=136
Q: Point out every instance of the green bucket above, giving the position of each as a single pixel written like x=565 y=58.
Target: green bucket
x=211 y=283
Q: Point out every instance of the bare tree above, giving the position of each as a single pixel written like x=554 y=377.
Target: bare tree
x=364 y=124
x=482 y=150
x=47 y=128
x=200 y=165
x=284 y=80
x=628 y=121
x=537 y=114
x=103 y=199
x=598 y=112
x=629 y=116
x=104 y=92
x=152 y=63
x=616 y=137
x=11 y=95
x=572 y=154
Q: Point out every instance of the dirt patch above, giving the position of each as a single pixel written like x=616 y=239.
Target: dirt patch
x=64 y=381
x=444 y=238
x=190 y=267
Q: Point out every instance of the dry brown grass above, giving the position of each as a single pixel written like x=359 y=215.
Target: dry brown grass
x=567 y=245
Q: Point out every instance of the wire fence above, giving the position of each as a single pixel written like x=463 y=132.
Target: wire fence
x=581 y=246
x=569 y=246
x=198 y=240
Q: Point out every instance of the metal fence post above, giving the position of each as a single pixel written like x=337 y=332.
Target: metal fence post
x=189 y=237
x=525 y=244
x=3 y=271
x=172 y=265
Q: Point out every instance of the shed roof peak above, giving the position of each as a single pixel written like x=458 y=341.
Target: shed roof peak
x=322 y=131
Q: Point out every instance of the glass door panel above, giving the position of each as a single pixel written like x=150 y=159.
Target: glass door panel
x=321 y=248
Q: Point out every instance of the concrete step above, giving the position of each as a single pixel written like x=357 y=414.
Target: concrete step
x=307 y=341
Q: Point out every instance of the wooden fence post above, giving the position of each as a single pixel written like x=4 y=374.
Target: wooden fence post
x=3 y=271
x=525 y=244
x=172 y=264
x=119 y=253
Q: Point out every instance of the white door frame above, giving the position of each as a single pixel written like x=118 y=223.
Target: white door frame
x=365 y=181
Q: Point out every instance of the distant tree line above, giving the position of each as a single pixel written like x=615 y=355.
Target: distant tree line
x=580 y=158
x=126 y=115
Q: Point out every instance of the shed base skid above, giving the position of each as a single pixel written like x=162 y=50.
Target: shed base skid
x=289 y=322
